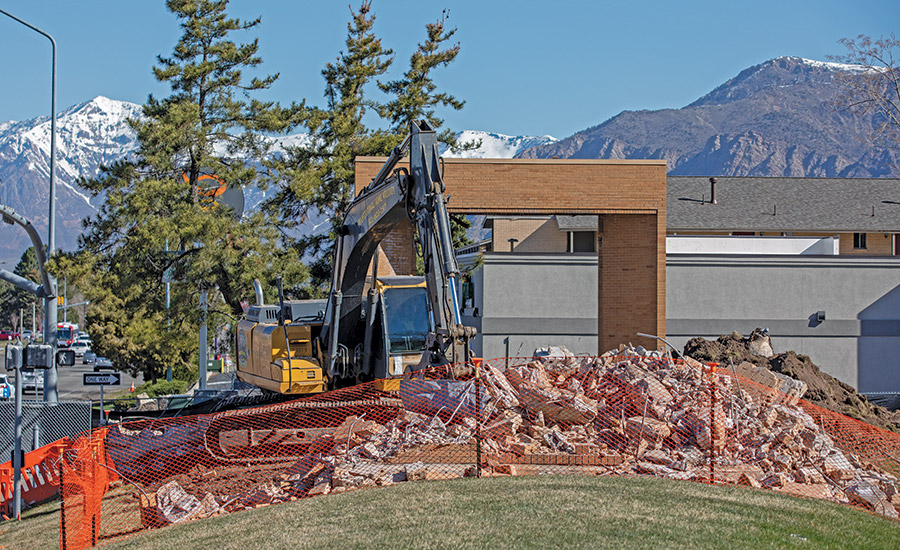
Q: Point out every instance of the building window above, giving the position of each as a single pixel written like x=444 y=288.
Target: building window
x=468 y=291
x=582 y=241
x=859 y=241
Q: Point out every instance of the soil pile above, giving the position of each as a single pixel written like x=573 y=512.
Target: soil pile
x=823 y=389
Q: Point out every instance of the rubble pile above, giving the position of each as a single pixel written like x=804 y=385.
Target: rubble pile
x=632 y=412
x=821 y=389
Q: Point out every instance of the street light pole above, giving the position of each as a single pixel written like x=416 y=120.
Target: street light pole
x=50 y=378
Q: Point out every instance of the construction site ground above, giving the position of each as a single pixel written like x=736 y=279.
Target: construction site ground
x=822 y=389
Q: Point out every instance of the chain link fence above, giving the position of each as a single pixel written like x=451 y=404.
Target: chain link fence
x=42 y=423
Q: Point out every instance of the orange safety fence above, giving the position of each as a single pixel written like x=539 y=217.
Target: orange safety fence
x=39 y=476
x=629 y=414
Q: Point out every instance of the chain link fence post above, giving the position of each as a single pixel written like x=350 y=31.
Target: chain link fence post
x=477 y=419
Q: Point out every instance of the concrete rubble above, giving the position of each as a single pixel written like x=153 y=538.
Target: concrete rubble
x=628 y=412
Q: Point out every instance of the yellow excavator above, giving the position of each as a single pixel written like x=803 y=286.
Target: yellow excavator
x=370 y=327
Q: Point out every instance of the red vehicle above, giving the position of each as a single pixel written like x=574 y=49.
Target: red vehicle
x=9 y=335
x=66 y=333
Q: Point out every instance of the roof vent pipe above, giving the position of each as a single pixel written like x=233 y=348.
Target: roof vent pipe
x=712 y=191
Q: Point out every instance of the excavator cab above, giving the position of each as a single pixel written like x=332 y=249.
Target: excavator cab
x=403 y=321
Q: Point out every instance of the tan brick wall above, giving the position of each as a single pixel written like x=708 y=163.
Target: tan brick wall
x=629 y=268
x=877 y=244
x=534 y=235
x=630 y=196
x=398 y=254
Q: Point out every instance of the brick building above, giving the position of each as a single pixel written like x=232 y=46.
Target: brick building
x=627 y=275
x=814 y=260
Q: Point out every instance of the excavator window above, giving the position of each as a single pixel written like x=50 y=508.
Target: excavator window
x=407 y=318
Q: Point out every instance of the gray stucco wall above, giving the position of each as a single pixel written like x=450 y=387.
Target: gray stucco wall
x=534 y=300
x=527 y=301
x=859 y=341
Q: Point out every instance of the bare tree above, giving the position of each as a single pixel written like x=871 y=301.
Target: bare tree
x=872 y=85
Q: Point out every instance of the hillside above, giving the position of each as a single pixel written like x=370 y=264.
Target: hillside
x=777 y=118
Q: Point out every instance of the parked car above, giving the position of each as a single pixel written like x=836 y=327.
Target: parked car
x=9 y=335
x=7 y=389
x=89 y=357
x=32 y=380
x=27 y=334
x=102 y=363
x=79 y=348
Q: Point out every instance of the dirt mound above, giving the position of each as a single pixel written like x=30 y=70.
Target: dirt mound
x=823 y=389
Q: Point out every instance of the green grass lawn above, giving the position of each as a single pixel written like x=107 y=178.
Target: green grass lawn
x=522 y=512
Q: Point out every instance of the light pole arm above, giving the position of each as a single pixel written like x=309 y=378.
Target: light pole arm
x=49 y=290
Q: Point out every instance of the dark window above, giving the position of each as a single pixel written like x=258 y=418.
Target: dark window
x=407 y=318
x=468 y=291
x=582 y=241
x=859 y=241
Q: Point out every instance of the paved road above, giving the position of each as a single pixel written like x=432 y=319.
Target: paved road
x=70 y=384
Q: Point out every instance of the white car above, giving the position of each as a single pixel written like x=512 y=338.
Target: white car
x=7 y=389
x=32 y=380
x=79 y=347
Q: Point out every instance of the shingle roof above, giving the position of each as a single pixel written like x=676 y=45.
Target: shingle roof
x=784 y=204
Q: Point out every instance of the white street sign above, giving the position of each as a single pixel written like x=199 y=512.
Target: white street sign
x=105 y=379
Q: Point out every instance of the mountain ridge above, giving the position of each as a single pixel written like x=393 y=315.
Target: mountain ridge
x=776 y=118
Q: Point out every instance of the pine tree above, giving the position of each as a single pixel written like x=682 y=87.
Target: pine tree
x=320 y=176
x=416 y=95
x=416 y=98
x=201 y=136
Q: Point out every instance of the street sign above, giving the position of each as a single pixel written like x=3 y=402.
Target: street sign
x=104 y=379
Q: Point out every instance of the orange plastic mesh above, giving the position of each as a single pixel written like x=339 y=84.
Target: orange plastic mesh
x=610 y=415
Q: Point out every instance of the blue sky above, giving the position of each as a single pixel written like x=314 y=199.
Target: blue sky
x=526 y=67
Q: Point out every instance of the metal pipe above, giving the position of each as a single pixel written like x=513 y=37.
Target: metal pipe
x=370 y=318
x=257 y=286
x=338 y=297
x=287 y=342
x=50 y=379
x=17 y=448
x=393 y=159
x=203 y=339
x=454 y=299
x=46 y=282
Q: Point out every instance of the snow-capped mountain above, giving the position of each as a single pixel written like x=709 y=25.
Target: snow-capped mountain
x=89 y=135
x=773 y=119
x=496 y=146
x=95 y=133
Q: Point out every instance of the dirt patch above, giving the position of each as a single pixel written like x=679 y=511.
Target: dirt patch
x=824 y=390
